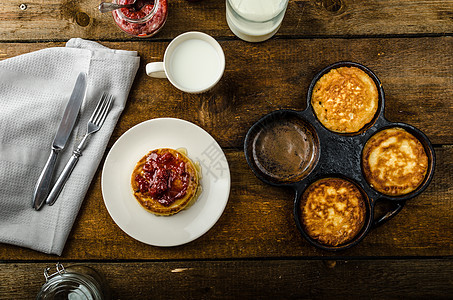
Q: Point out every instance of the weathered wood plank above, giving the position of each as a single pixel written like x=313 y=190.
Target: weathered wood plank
x=269 y=279
x=255 y=250
x=259 y=78
x=62 y=19
x=258 y=222
x=417 y=76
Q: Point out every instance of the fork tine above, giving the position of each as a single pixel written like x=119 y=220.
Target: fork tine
x=98 y=107
x=105 y=111
x=102 y=104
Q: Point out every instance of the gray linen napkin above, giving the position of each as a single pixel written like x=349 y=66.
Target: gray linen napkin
x=34 y=90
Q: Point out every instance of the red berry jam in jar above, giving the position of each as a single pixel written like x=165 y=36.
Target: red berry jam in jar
x=142 y=23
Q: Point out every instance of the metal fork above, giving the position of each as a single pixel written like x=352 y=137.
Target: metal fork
x=94 y=124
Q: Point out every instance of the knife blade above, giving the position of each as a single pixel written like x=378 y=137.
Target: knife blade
x=64 y=130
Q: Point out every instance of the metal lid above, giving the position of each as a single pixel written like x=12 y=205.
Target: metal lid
x=67 y=284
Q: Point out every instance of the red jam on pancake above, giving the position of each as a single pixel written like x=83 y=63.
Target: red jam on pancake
x=165 y=181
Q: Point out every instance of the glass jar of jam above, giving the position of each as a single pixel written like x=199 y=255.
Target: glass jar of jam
x=143 y=23
x=74 y=282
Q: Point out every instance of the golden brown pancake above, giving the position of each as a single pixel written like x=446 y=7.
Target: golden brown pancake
x=345 y=99
x=333 y=211
x=165 y=181
x=394 y=162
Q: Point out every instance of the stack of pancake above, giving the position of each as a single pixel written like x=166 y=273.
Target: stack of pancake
x=165 y=181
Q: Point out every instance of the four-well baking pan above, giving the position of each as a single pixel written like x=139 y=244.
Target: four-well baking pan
x=313 y=152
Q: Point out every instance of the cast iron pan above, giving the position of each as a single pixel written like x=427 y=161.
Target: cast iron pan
x=329 y=154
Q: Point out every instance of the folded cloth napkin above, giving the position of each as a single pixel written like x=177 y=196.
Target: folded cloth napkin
x=34 y=91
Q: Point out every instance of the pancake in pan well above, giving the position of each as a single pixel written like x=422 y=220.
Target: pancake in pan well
x=165 y=181
x=333 y=211
x=394 y=162
x=345 y=99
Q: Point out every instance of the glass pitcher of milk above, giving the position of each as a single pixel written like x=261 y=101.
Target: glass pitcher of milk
x=255 y=20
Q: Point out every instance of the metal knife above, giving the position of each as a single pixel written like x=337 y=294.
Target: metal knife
x=67 y=123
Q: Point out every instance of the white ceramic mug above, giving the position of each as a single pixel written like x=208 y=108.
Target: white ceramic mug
x=193 y=62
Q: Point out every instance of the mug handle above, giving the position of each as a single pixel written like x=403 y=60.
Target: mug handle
x=156 y=70
x=397 y=207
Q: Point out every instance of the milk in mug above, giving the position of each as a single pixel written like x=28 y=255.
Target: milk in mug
x=195 y=64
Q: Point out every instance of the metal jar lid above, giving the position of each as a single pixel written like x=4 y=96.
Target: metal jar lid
x=75 y=282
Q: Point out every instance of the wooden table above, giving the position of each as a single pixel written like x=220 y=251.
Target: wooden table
x=255 y=250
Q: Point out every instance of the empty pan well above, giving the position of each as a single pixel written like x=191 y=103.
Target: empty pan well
x=283 y=148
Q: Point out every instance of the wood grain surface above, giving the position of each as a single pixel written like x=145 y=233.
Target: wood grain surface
x=416 y=74
x=270 y=279
x=258 y=223
x=62 y=19
x=255 y=250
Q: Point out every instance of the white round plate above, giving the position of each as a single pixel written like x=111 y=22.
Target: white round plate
x=186 y=225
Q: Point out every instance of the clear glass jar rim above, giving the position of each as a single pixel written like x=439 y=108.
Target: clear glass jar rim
x=64 y=283
x=256 y=18
x=141 y=20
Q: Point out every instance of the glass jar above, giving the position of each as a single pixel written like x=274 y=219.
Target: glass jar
x=255 y=20
x=143 y=23
x=74 y=282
